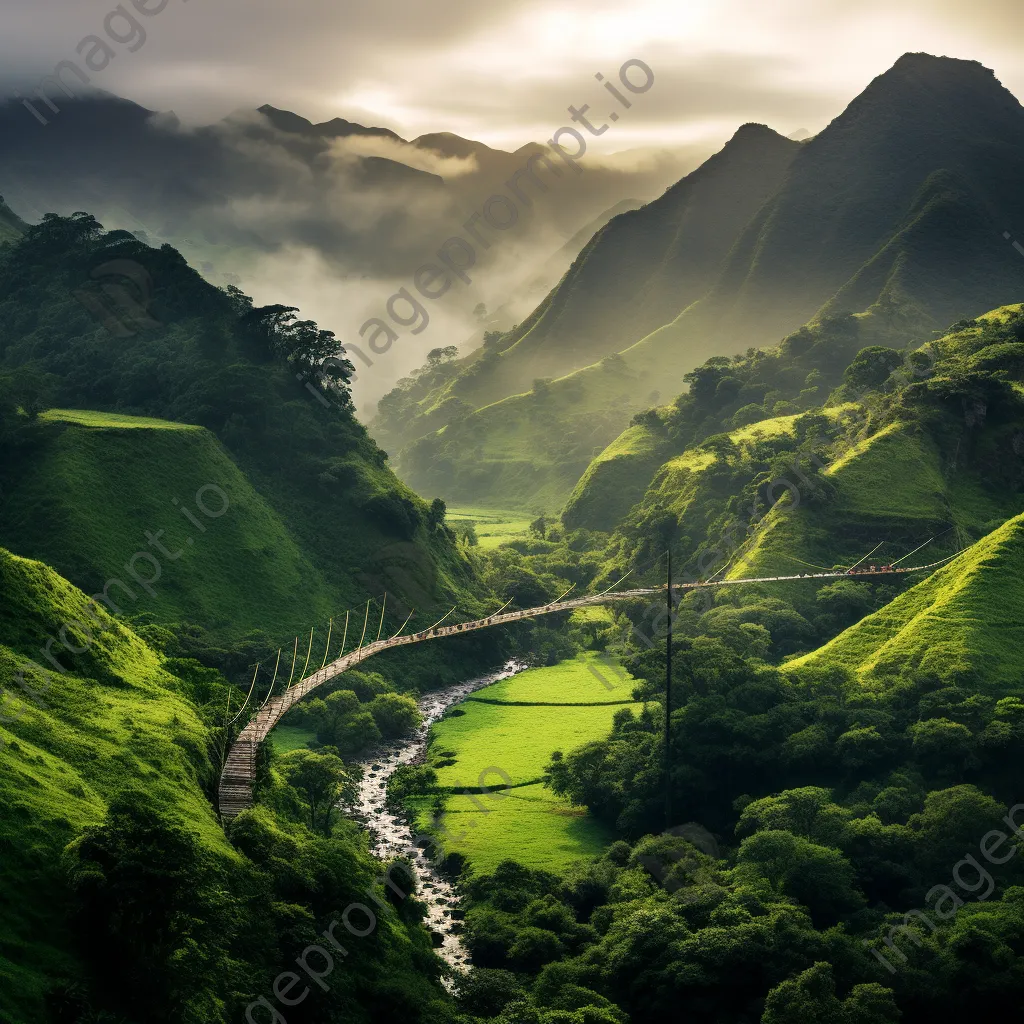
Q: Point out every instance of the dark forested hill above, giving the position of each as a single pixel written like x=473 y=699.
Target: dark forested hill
x=98 y=321
x=897 y=211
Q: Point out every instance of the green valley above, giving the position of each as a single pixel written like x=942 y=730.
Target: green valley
x=656 y=658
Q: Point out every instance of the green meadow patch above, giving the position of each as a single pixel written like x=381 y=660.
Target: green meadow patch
x=506 y=733
x=287 y=738
x=493 y=526
x=528 y=824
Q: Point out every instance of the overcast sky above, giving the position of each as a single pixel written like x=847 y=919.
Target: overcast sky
x=504 y=73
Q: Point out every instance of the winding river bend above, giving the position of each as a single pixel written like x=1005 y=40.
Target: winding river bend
x=392 y=836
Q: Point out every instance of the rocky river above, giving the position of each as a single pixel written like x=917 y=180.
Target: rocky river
x=392 y=836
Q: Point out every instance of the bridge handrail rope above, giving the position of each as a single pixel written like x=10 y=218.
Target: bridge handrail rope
x=344 y=637
x=272 y=683
x=924 y=545
x=614 y=585
x=810 y=565
x=309 y=651
x=867 y=556
x=443 y=617
x=366 y=619
x=247 y=696
x=383 y=605
x=404 y=624
x=327 y=649
x=295 y=658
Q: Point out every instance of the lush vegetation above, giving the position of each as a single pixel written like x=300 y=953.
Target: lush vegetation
x=140 y=384
x=124 y=900
x=822 y=824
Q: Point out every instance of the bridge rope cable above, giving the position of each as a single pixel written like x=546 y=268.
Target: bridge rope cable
x=327 y=649
x=502 y=608
x=295 y=658
x=309 y=651
x=272 y=683
x=366 y=619
x=380 y=628
x=247 y=696
x=559 y=598
x=924 y=545
x=404 y=624
x=811 y=565
x=614 y=585
x=738 y=551
x=867 y=556
x=344 y=637
x=932 y=565
x=443 y=617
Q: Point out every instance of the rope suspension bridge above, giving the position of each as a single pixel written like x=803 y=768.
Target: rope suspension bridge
x=239 y=772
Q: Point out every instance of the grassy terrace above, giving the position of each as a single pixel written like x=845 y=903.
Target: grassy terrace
x=493 y=526
x=515 y=726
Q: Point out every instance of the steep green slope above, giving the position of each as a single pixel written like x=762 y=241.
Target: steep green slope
x=115 y=717
x=963 y=625
x=896 y=212
x=616 y=479
x=85 y=498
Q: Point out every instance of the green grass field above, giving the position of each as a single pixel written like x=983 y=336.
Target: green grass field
x=493 y=526
x=89 y=418
x=286 y=738
x=529 y=825
x=518 y=736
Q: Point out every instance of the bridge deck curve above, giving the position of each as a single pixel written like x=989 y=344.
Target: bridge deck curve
x=239 y=772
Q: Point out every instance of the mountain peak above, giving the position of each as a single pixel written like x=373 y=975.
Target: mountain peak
x=753 y=134
x=336 y=128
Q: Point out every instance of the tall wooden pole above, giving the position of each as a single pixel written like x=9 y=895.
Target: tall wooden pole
x=668 y=697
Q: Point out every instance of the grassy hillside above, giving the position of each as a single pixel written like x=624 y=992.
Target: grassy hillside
x=94 y=484
x=963 y=625
x=117 y=716
x=616 y=480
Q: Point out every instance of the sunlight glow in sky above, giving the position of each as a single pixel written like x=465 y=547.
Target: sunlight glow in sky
x=505 y=74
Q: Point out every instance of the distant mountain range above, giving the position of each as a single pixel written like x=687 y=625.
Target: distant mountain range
x=896 y=212
x=372 y=203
